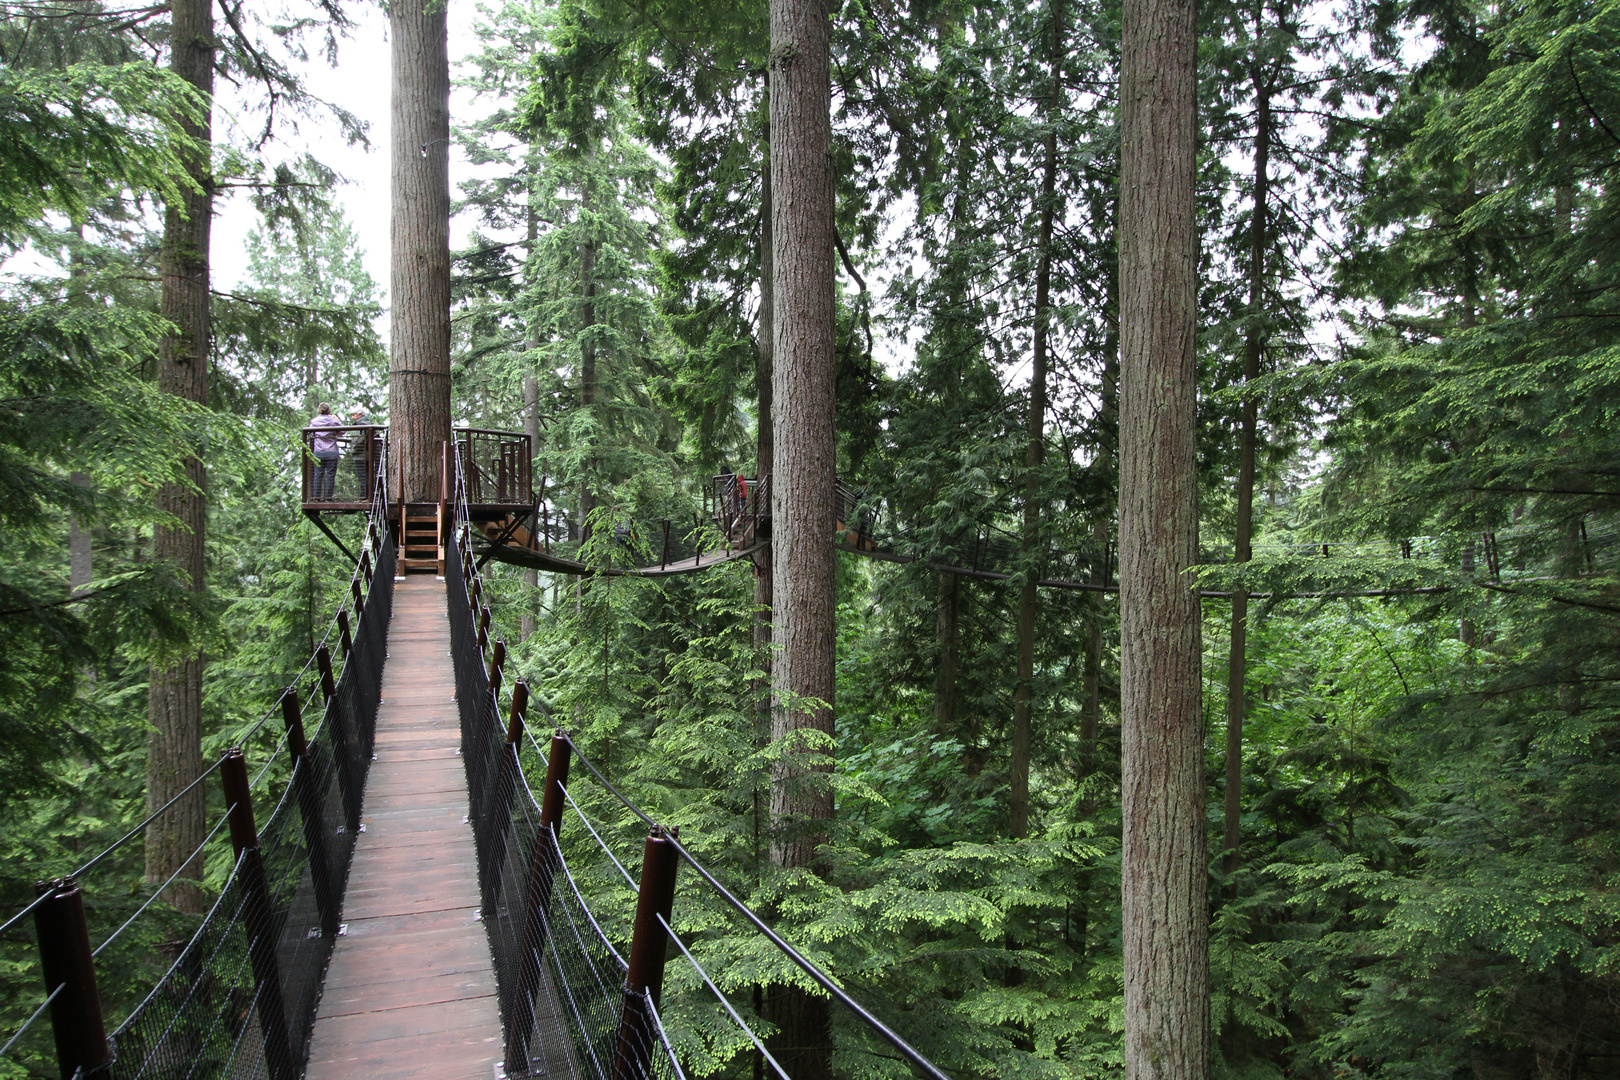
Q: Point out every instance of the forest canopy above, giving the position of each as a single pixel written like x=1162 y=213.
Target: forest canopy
x=1407 y=364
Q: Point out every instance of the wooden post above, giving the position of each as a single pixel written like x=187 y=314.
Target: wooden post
x=359 y=599
x=644 y=978
x=344 y=637
x=444 y=499
x=365 y=566
x=259 y=918
x=323 y=661
x=307 y=791
x=664 y=560
x=483 y=629
x=537 y=900
x=64 y=957
x=497 y=662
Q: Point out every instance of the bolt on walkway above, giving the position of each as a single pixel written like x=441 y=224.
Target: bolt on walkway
x=410 y=992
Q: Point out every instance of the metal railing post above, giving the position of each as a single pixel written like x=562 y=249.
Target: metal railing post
x=345 y=638
x=537 y=896
x=309 y=810
x=649 y=941
x=64 y=957
x=259 y=917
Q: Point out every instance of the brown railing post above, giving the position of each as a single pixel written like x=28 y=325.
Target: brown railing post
x=323 y=661
x=483 y=629
x=537 y=895
x=344 y=637
x=259 y=918
x=359 y=598
x=309 y=810
x=644 y=979
x=64 y=957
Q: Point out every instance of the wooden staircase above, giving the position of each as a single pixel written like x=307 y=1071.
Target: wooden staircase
x=420 y=529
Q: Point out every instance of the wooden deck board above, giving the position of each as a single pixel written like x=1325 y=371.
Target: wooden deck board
x=410 y=992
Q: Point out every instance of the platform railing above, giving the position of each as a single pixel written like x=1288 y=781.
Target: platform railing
x=497 y=466
x=340 y=465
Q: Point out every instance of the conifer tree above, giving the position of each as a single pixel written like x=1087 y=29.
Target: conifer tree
x=174 y=702
x=419 y=292
x=1163 y=873
x=802 y=482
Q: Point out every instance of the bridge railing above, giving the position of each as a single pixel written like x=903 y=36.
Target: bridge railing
x=239 y=998
x=574 y=1000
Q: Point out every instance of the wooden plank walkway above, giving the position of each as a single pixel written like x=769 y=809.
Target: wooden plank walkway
x=410 y=993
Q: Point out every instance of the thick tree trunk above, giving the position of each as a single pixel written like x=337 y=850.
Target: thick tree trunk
x=765 y=437
x=1035 y=452
x=1164 y=867
x=1253 y=346
x=419 y=365
x=174 y=695
x=802 y=483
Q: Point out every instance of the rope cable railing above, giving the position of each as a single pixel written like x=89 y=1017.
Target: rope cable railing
x=239 y=997
x=537 y=929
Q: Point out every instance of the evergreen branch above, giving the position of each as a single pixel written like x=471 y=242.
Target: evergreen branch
x=1569 y=57
x=1544 y=491
x=1570 y=600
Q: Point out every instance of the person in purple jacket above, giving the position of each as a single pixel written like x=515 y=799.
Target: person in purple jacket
x=325 y=447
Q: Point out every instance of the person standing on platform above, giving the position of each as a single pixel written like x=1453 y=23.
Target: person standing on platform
x=325 y=447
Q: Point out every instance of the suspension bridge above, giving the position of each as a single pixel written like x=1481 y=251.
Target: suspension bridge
x=402 y=901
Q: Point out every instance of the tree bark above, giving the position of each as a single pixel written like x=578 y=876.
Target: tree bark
x=803 y=491
x=1253 y=347
x=419 y=364
x=765 y=437
x=947 y=638
x=1164 y=862
x=174 y=694
x=80 y=558
x=587 y=355
x=1035 y=452
x=531 y=404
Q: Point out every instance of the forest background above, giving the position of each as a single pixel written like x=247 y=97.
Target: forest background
x=1408 y=369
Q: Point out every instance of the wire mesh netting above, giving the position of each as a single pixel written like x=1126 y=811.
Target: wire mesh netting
x=565 y=1008
x=240 y=999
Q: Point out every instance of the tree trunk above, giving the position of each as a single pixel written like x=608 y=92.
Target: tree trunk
x=80 y=558
x=587 y=362
x=947 y=637
x=1253 y=346
x=1035 y=452
x=1164 y=864
x=765 y=438
x=419 y=364
x=174 y=694
x=531 y=410
x=803 y=491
